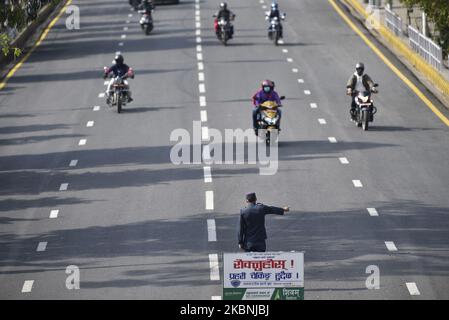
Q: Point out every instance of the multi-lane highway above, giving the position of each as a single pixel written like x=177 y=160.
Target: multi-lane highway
x=81 y=185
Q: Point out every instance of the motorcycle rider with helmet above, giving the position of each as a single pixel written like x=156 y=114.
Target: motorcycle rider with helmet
x=265 y=93
x=226 y=14
x=119 y=68
x=147 y=5
x=276 y=13
x=358 y=82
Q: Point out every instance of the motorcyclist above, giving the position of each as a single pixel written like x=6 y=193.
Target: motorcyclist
x=275 y=13
x=226 y=14
x=147 y=5
x=358 y=82
x=265 y=93
x=119 y=68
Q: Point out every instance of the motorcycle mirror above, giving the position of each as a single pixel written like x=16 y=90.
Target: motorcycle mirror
x=282 y=98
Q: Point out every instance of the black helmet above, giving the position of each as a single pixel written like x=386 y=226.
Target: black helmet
x=359 y=67
x=223 y=5
x=119 y=59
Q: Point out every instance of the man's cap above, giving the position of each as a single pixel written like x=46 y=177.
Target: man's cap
x=251 y=197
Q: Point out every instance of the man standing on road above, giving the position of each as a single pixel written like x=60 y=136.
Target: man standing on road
x=251 y=229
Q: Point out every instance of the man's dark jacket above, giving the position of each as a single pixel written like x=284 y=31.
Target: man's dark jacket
x=251 y=228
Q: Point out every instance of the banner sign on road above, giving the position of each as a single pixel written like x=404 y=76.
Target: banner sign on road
x=263 y=276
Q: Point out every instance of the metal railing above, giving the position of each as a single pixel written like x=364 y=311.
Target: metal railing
x=426 y=48
x=393 y=21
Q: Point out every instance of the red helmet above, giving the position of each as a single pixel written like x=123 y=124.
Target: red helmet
x=267 y=86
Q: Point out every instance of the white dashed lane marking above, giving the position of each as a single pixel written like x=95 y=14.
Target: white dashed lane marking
x=205 y=133
x=82 y=142
x=313 y=105
x=90 y=124
x=120 y=44
x=200 y=76
x=216 y=298
x=412 y=288
x=200 y=66
x=307 y=92
x=198 y=24
x=73 y=163
x=295 y=70
x=123 y=36
x=211 y=230
x=42 y=246
x=203 y=101
x=63 y=187
x=101 y=95
x=96 y=108
x=198 y=32
x=372 y=212
x=198 y=40
x=300 y=80
x=357 y=183
x=199 y=56
x=27 y=286
x=209 y=200
x=322 y=121
x=289 y=60
x=344 y=160
x=202 y=88
x=391 y=246
x=214 y=268
x=203 y=115
x=332 y=140
x=199 y=48
x=207 y=175
x=284 y=50
x=54 y=214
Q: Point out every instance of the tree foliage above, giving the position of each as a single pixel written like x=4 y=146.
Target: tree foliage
x=437 y=11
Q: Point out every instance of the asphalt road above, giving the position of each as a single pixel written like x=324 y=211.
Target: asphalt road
x=136 y=224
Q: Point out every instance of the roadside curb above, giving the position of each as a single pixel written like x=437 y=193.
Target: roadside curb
x=31 y=33
x=429 y=77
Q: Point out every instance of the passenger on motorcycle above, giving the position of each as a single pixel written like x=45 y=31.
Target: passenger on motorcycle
x=358 y=82
x=226 y=14
x=265 y=93
x=147 y=5
x=119 y=68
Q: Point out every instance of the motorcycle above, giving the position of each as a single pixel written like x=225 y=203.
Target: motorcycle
x=223 y=30
x=146 y=22
x=268 y=119
x=274 y=30
x=120 y=89
x=365 y=109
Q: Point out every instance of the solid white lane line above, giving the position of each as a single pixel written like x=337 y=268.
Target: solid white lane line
x=307 y=92
x=372 y=212
x=101 y=95
x=344 y=160
x=313 y=105
x=203 y=115
x=412 y=288
x=198 y=39
x=199 y=48
x=209 y=200
x=322 y=121
x=200 y=66
x=391 y=246
x=27 y=286
x=211 y=230
x=96 y=108
x=357 y=183
x=82 y=142
x=199 y=56
x=202 y=88
x=73 y=163
x=63 y=187
x=215 y=298
x=203 y=101
x=205 y=133
x=90 y=124
x=214 y=269
x=54 y=214
x=300 y=80
x=295 y=70
x=207 y=175
x=200 y=76
x=289 y=60
x=332 y=140
x=42 y=246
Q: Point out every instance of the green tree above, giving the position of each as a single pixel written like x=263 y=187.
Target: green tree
x=13 y=15
x=437 y=11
